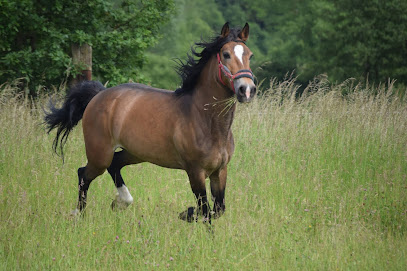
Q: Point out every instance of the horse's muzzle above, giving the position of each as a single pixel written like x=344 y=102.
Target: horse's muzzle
x=245 y=90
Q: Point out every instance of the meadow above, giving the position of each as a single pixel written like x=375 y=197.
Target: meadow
x=316 y=183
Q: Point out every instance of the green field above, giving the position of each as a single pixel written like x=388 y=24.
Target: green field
x=318 y=183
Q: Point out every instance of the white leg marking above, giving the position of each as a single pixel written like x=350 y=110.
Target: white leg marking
x=239 y=52
x=124 y=195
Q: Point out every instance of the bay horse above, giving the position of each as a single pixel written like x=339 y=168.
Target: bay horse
x=186 y=129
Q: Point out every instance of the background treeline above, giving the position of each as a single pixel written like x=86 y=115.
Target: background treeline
x=342 y=39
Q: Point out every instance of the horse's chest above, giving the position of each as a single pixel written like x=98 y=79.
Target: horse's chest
x=204 y=150
x=216 y=158
x=217 y=155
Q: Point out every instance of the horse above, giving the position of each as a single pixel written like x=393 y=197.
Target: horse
x=187 y=129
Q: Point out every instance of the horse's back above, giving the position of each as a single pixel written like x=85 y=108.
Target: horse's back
x=136 y=117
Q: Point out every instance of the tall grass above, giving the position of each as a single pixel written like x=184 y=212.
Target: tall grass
x=317 y=183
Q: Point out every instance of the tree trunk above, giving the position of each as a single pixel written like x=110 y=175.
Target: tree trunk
x=82 y=60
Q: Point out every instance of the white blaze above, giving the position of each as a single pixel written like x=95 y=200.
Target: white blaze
x=239 y=52
x=247 y=92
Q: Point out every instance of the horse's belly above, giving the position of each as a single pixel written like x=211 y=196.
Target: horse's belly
x=164 y=157
x=151 y=146
x=144 y=127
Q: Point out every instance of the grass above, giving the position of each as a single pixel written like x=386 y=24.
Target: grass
x=317 y=183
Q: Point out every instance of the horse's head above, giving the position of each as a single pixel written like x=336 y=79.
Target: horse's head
x=234 y=65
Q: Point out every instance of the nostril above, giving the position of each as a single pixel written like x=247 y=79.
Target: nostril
x=242 y=90
x=253 y=89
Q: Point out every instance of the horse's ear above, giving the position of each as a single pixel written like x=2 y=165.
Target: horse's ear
x=225 y=30
x=244 y=34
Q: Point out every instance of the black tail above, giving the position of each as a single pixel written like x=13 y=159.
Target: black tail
x=68 y=116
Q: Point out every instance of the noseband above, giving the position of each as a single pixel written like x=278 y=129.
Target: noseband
x=241 y=73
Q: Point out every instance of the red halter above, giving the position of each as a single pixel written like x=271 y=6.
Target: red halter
x=232 y=77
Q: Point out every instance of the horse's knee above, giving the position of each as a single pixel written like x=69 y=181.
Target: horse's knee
x=83 y=181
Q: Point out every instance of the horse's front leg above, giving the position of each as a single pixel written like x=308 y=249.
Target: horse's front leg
x=218 y=185
x=197 y=181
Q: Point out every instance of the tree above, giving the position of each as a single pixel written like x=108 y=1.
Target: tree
x=354 y=39
x=193 y=20
x=343 y=39
x=38 y=35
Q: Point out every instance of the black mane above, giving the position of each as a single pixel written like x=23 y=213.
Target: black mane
x=191 y=68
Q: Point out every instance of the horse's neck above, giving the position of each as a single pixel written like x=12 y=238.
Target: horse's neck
x=216 y=118
x=210 y=100
x=222 y=120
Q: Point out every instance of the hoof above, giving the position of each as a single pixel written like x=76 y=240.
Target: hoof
x=75 y=213
x=188 y=215
x=119 y=204
x=218 y=214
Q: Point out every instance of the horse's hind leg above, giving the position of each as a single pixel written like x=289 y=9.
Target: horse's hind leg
x=85 y=176
x=123 y=197
x=100 y=155
x=218 y=185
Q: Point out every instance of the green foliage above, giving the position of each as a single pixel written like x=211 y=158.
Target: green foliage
x=359 y=40
x=38 y=35
x=194 y=20
x=342 y=39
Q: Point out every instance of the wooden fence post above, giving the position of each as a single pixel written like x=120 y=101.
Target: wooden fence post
x=82 y=59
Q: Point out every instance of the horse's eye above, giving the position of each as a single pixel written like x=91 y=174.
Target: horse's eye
x=226 y=55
